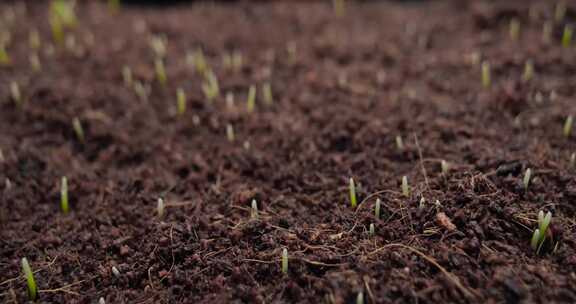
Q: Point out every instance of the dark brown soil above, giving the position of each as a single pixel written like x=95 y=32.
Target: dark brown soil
x=344 y=88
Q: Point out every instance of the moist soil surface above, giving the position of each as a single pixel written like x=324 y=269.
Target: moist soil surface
x=344 y=89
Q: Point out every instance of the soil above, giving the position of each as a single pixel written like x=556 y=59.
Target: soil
x=344 y=88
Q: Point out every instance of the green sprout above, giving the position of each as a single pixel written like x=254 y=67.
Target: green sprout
x=230 y=133
x=338 y=6
x=568 y=126
x=352 y=189
x=567 y=36
x=127 y=76
x=15 y=93
x=35 y=62
x=526 y=180
x=78 y=129
x=405 y=187
x=32 y=289
x=210 y=86
x=445 y=167
x=399 y=143
x=141 y=90
x=4 y=57
x=371 y=230
x=514 y=29
x=251 y=100
x=62 y=17
x=160 y=207
x=180 y=101
x=539 y=235
x=284 y=263
x=158 y=45
x=360 y=298
x=267 y=93
x=34 y=40
x=198 y=60
x=254 y=210
x=560 y=11
x=486 y=74
x=377 y=208
x=160 y=71
x=114 y=5
x=64 y=195
x=528 y=71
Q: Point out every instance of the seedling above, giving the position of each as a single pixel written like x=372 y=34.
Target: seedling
x=528 y=71
x=78 y=129
x=4 y=57
x=101 y=301
x=572 y=160
x=445 y=167
x=141 y=90
x=399 y=143
x=160 y=72
x=422 y=203
x=352 y=189
x=360 y=298
x=254 y=210
x=61 y=16
x=251 y=100
x=284 y=262
x=486 y=74
x=539 y=235
x=197 y=59
x=230 y=133
x=547 y=32
x=514 y=29
x=405 y=187
x=372 y=230
x=338 y=6
x=15 y=93
x=158 y=45
x=210 y=86
x=237 y=60
x=160 y=207
x=29 y=275
x=267 y=93
x=526 y=180
x=34 y=40
x=229 y=100
x=567 y=36
x=35 y=62
x=64 y=195
x=115 y=272
x=180 y=101
x=127 y=76
x=377 y=208
x=559 y=11
x=568 y=126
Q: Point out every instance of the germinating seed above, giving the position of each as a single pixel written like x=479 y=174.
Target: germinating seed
x=160 y=207
x=284 y=263
x=180 y=101
x=64 y=204
x=127 y=76
x=230 y=133
x=115 y=271
x=254 y=210
x=101 y=301
x=568 y=126
x=15 y=93
x=360 y=298
x=405 y=187
x=78 y=129
x=267 y=93
x=160 y=72
x=399 y=143
x=572 y=160
x=352 y=190
x=371 y=230
x=486 y=74
x=528 y=71
x=35 y=62
x=29 y=275
x=567 y=36
x=526 y=180
x=251 y=101
x=514 y=29
x=377 y=208
x=445 y=167
x=547 y=32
